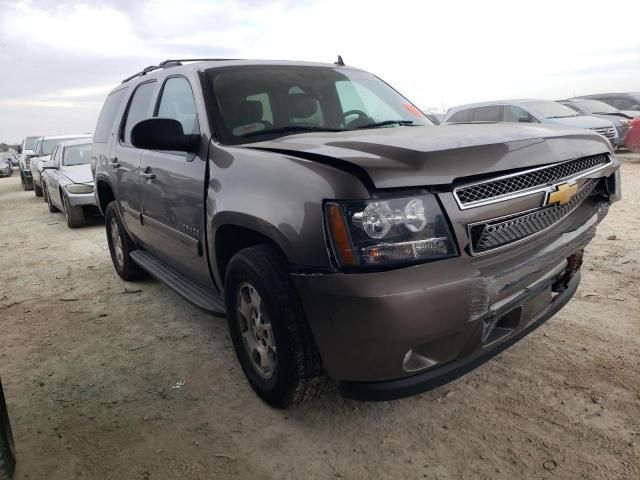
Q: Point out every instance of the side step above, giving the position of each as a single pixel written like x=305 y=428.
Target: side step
x=206 y=300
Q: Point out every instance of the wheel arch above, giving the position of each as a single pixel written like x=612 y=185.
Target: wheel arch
x=104 y=194
x=234 y=231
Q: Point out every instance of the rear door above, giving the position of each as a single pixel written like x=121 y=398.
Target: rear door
x=172 y=189
x=124 y=162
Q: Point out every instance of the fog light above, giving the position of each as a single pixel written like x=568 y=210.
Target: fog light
x=413 y=362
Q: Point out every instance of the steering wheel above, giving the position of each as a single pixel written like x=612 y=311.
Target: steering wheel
x=360 y=116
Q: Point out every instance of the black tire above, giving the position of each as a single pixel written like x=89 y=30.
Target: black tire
x=74 y=215
x=47 y=198
x=298 y=375
x=37 y=189
x=27 y=184
x=7 y=450
x=127 y=269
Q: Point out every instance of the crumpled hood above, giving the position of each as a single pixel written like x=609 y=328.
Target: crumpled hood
x=419 y=156
x=77 y=173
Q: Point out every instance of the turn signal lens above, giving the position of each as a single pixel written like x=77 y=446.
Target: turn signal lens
x=340 y=236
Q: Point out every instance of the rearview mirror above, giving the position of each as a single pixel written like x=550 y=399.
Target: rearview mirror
x=523 y=119
x=635 y=107
x=163 y=134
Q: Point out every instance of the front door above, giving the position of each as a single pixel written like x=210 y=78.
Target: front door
x=172 y=191
x=124 y=163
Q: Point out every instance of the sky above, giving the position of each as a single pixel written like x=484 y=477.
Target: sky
x=60 y=58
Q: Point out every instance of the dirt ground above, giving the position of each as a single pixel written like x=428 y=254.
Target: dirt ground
x=106 y=379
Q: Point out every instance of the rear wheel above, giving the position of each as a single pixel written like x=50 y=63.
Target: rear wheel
x=269 y=330
x=120 y=246
x=7 y=451
x=74 y=215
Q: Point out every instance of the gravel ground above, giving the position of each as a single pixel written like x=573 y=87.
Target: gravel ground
x=106 y=379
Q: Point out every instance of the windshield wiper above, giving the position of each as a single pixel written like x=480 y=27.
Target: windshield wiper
x=291 y=129
x=387 y=123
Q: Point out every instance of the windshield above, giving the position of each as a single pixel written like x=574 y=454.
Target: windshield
x=48 y=145
x=594 y=106
x=548 y=109
x=30 y=143
x=264 y=102
x=76 y=154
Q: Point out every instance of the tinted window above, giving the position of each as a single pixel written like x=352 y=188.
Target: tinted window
x=77 y=154
x=595 y=106
x=108 y=116
x=463 y=116
x=138 y=109
x=487 y=114
x=47 y=146
x=177 y=102
x=517 y=114
x=620 y=103
x=257 y=103
x=548 y=109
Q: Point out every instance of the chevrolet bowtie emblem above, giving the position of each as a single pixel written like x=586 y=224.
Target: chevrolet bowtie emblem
x=562 y=195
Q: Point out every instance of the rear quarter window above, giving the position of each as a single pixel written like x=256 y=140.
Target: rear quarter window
x=107 y=116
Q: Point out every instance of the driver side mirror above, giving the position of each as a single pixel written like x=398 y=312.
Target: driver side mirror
x=163 y=134
x=48 y=165
x=635 y=107
x=524 y=119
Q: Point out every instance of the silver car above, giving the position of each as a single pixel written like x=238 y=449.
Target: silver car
x=43 y=151
x=530 y=111
x=67 y=180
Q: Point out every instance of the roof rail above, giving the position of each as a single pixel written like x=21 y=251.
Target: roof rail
x=173 y=63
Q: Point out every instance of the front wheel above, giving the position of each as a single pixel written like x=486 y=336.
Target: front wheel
x=37 y=189
x=47 y=198
x=269 y=330
x=121 y=246
x=73 y=215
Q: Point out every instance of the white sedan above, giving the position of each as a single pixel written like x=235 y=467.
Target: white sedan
x=68 y=182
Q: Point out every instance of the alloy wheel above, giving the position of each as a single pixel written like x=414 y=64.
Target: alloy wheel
x=256 y=330
x=116 y=241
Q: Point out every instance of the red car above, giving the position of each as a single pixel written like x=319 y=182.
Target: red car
x=632 y=141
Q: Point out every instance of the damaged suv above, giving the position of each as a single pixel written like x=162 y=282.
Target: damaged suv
x=343 y=235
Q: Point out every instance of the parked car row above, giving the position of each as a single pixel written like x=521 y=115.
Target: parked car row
x=58 y=168
x=594 y=112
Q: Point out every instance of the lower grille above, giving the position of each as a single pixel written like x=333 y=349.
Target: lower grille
x=493 y=234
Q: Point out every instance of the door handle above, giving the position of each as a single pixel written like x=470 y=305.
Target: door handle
x=114 y=162
x=146 y=173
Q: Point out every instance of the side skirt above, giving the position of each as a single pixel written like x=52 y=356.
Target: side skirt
x=206 y=300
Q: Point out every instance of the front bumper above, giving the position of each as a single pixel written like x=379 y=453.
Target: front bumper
x=81 y=199
x=390 y=334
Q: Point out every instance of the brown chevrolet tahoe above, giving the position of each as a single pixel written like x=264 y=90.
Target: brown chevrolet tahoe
x=343 y=235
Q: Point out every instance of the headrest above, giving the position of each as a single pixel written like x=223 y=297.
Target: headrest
x=303 y=105
x=248 y=111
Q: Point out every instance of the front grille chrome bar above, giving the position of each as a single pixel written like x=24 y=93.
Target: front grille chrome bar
x=527 y=182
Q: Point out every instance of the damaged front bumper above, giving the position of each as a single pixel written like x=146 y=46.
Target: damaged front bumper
x=387 y=335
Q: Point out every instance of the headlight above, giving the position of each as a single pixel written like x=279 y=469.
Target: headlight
x=79 y=188
x=388 y=232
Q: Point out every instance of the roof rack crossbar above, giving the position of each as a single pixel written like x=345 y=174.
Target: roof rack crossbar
x=173 y=63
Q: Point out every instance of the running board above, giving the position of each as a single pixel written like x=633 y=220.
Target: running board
x=206 y=300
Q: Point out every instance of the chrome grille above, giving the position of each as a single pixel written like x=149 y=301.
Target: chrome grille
x=608 y=132
x=480 y=193
x=493 y=234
